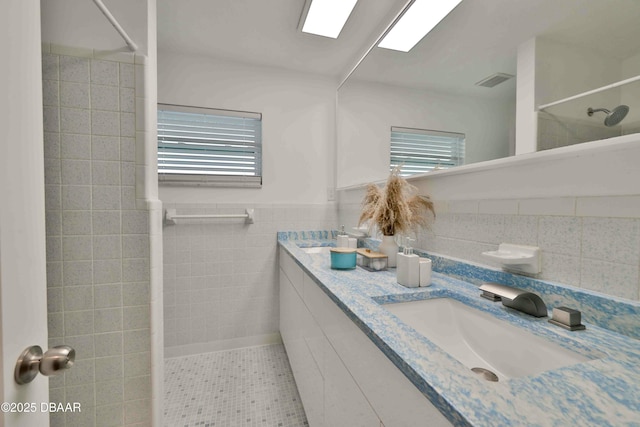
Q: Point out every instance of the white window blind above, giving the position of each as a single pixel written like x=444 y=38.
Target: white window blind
x=208 y=146
x=420 y=150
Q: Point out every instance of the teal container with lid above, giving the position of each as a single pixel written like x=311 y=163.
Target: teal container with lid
x=343 y=258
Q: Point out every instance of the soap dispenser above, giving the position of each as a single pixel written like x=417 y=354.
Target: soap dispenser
x=343 y=239
x=408 y=266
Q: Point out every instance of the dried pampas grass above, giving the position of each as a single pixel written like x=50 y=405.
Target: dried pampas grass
x=396 y=208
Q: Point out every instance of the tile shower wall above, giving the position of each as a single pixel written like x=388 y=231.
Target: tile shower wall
x=556 y=131
x=221 y=276
x=97 y=239
x=587 y=242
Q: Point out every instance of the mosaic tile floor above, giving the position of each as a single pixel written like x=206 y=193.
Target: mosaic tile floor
x=251 y=386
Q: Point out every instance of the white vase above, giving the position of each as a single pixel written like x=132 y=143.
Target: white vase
x=389 y=247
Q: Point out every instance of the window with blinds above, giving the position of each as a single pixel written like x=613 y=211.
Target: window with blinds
x=209 y=147
x=420 y=150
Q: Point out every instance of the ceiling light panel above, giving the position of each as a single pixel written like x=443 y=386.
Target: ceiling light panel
x=327 y=17
x=422 y=17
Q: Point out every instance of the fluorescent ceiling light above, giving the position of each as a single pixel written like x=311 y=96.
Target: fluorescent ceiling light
x=422 y=17
x=327 y=17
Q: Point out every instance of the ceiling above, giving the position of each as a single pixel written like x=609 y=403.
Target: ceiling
x=79 y=23
x=481 y=37
x=477 y=39
x=265 y=32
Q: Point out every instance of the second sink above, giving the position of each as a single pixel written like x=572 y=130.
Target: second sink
x=317 y=250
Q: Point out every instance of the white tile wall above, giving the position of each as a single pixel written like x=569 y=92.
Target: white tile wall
x=588 y=242
x=221 y=276
x=548 y=206
x=97 y=243
x=613 y=206
x=557 y=131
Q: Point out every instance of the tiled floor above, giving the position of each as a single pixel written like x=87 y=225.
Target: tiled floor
x=251 y=386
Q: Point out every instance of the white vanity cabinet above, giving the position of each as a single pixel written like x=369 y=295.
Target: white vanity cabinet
x=293 y=317
x=343 y=378
x=330 y=395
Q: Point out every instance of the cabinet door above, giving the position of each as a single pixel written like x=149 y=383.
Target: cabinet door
x=314 y=334
x=292 y=270
x=294 y=321
x=286 y=311
x=311 y=383
x=396 y=400
x=344 y=403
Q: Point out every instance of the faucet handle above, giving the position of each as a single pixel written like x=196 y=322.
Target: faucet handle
x=567 y=318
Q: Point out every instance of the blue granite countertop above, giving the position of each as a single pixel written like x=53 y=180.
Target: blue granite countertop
x=604 y=391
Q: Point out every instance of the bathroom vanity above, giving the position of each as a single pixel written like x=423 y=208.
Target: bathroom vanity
x=357 y=364
x=333 y=361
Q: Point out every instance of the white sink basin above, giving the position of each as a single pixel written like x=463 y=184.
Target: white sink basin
x=317 y=250
x=480 y=340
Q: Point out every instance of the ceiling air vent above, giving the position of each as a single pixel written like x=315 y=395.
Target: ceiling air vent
x=494 y=79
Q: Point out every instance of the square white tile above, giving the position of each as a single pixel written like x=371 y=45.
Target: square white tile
x=212 y=388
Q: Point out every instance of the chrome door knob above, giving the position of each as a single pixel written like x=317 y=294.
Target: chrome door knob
x=28 y=364
x=56 y=360
x=53 y=362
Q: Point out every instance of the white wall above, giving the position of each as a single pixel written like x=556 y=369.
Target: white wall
x=366 y=112
x=298 y=125
x=221 y=277
x=579 y=204
x=79 y=23
x=564 y=70
x=599 y=168
x=221 y=281
x=631 y=93
x=526 y=116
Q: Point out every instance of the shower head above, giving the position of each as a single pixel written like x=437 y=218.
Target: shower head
x=613 y=117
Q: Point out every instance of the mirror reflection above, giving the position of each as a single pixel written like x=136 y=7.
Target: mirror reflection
x=484 y=72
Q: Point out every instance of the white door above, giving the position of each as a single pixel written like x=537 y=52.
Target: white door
x=23 y=300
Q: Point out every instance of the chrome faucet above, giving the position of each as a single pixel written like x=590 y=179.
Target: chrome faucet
x=518 y=299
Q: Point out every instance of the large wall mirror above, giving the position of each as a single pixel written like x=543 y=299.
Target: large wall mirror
x=553 y=49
